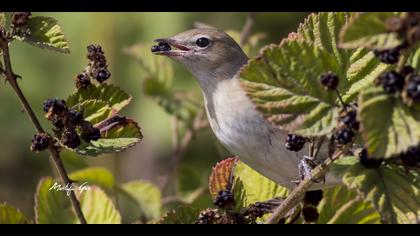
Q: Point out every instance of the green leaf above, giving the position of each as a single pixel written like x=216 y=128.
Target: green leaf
x=94 y=111
x=114 y=96
x=44 y=32
x=103 y=146
x=117 y=136
x=342 y=206
x=221 y=178
x=414 y=59
x=368 y=30
x=11 y=215
x=144 y=201
x=94 y=176
x=257 y=187
x=391 y=189
x=285 y=88
x=51 y=205
x=399 y=126
x=181 y=215
x=284 y=84
x=98 y=207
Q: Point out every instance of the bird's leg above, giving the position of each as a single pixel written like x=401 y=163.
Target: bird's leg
x=305 y=167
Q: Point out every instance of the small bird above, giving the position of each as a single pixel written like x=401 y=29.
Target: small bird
x=214 y=58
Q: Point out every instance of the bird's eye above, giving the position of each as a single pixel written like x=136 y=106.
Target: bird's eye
x=202 y=42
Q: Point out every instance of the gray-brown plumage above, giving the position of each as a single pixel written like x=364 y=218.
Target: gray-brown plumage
x=214 y=58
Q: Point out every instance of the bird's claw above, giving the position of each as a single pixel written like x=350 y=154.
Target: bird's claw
x=305 y=169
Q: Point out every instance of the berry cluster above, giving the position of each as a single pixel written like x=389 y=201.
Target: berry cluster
x=96 y=69
x=20 y=19
x=224 y=199
x=310 y=203
x=98 y=66
x=347 y=125
x=368 y=162
x=329 y=80
x=66 y=122
x=295 y=142
x=40 y=142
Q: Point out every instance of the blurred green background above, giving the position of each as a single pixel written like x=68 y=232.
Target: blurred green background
x=47 y=74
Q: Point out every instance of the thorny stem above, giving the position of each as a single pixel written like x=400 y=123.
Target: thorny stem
x=299 y=192
x=55 y=154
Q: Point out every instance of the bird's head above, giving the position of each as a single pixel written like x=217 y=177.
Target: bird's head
x=206 y=52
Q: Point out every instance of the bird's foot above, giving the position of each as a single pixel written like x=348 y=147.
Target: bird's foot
x=305 y=166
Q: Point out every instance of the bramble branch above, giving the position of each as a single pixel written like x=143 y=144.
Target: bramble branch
x=299 y=192
x=11 y=77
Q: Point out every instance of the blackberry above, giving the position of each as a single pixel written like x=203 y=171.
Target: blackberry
x=411 y=157
x=389 y=56
x=413 y=88
x=224 y=199
x=368 y=162
x=155 y=48
x=70 y=138
x=310 y=213
x=295 y=142
x=57 y=122
x=55 y=107
x=82 y=81
x=391 y=81
x=75 y=117
x=94 y=52
x=164 y=46
x=40 y=142
x=313 y=197
x=348 y=118
x=101 y=74
x=329 y=80
x=208 y=216
x=344 y=135
x=89 y=132
x=20 y=18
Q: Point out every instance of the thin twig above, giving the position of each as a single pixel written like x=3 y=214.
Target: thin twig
x=299 y=192
x=247 y=29
x=12 y=79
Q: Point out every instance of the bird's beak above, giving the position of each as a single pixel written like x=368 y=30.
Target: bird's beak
x=176 y=48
